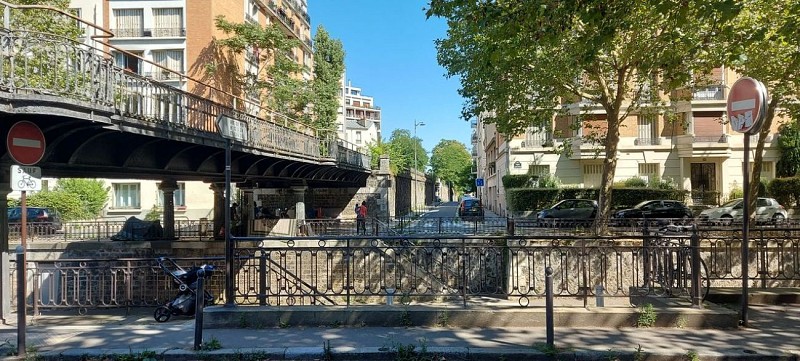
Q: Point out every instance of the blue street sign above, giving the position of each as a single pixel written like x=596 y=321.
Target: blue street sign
x=479 y=182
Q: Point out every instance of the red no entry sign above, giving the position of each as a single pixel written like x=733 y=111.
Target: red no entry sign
x=747 y=102
x=25 y=143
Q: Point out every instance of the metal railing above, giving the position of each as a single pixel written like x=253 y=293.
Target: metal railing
x=73 y=72
x=365 y=270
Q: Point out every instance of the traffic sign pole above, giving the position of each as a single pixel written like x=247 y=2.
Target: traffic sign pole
x=746 y=108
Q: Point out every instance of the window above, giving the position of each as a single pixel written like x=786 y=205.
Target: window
x=129 y=22
x=127 y=61
x=127 y=195
x=592 y=175
x=77 y=12
x=168 y=22
x=649 y=171
x=537 y=137
x=648 y=130
x=358 y=137
x=179 y=195
x=537 y=169
x=170 y=59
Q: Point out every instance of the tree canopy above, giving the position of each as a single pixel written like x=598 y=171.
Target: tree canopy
x=400 y=148
x=328 y=69
x=452 y=163
x=275 y=78
x=73 y=198
x=522 y=63
x=762 y=43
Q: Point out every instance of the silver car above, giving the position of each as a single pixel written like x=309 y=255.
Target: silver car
x=768 y=210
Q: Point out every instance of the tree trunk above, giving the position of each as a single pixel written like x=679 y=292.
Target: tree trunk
x=755 y=176
x=609 y=169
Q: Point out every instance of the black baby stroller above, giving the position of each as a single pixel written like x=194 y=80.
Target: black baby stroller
x=186 y=279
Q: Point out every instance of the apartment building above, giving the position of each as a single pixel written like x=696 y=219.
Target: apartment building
x=694 y=148
x=179 y=35
x=359 y=120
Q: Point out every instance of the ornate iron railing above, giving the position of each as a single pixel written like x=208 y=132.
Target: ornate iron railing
x=367 y=270
x=77 y=73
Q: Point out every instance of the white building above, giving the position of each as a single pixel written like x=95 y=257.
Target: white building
x=359 y=120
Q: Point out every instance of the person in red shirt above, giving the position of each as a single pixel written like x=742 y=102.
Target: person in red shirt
x=361 y=217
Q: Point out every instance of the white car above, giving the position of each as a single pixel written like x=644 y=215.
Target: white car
x=768 y=210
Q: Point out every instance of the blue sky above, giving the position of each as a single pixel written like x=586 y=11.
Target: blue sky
x=391 y=56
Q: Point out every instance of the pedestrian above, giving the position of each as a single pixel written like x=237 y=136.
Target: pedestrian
x=359 y=220
x=362 y=216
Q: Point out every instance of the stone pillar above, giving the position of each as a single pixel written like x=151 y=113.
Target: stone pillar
x=219 y=209
x=300 y=203
x=5 y=263
x=248 y=211
x=168 y=187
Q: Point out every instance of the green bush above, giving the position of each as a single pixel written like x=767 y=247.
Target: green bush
x=515 y=181
x=786 y=191
x=736 y=192
x=549 y=181
x=534 y=199
x=635 y=182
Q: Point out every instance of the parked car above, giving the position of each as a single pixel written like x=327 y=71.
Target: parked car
x=654 y=212
x=470 y=208
x=567 y=212
x=39 y=219
x=768 y=210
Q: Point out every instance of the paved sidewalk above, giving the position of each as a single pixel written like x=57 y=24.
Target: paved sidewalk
x=772 y=335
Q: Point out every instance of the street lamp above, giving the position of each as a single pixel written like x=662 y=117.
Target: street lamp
x=414 y=190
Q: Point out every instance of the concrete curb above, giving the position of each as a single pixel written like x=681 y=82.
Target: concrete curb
x=383 y=354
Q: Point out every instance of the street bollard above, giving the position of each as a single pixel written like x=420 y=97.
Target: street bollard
x=21 y=306
x=390 y=296
x=599 y=294
x=199 y=302
x=548 y=289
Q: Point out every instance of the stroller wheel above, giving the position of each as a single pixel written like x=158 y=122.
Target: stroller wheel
x=162 y=314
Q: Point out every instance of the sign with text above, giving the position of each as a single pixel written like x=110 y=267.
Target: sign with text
x=26 y=178
x=232 y=128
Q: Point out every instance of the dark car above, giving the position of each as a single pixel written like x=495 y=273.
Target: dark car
x=39 y=219
x=568 y=212
x=657 y=212
x=470 y=208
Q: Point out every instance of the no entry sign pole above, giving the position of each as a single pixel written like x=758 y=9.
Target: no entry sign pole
x=746 y=108
x=25 y=145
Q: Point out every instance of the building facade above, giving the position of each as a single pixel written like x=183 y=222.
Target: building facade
x=692 y=147
x=171 y=40
x=359 y=120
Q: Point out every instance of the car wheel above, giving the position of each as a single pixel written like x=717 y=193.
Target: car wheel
x=778 y=218
x=726 y=220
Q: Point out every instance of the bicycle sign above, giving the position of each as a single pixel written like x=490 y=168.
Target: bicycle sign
x=26 y=178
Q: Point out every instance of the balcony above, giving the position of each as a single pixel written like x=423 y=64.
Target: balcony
x=703 y=145
x=711 y=92
x=149 y=33
x=647 y=141
x=163 y=75
x=585 y=149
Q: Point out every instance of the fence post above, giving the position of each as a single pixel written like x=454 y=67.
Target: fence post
x=262 y=278
x=646 y=257
x=199 y=302
x=21 y=304
x=464 y=271
x=548 y=287
x=695 y=248
x=510 y=226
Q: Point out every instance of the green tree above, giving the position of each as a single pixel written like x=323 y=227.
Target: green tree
x=328 y=69
x=92 y=193
x=410 y=147
x=762 y=43
x=277 y=77
x=789 y=144
x=73 y=198
x=518 y=62
x=449 y=159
